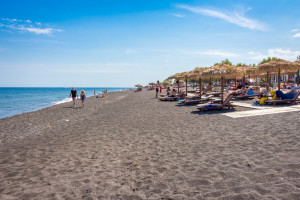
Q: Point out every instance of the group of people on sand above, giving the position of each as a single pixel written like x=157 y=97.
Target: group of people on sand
x=74 y=94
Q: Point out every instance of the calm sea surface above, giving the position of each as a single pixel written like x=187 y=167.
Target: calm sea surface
x=19 y=100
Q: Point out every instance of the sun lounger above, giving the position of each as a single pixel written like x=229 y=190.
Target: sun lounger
x=218 y=106
x=239 y=97
x=174 y=98
x=196 y=101
x=274 y=102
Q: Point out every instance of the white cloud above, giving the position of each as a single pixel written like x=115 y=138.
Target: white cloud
x=216 y=53
x=178 y=15
x=297 y=35
x=294 y=30
x=237 y=18
x=286 y=54
x=26 y=26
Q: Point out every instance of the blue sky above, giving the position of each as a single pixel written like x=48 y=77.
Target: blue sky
x=121 y=43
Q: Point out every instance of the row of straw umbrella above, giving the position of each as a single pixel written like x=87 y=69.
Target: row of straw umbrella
x=221 y=71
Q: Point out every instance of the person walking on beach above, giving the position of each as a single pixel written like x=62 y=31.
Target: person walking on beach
x=157 y=89
x=82 y=97
x=74 y=94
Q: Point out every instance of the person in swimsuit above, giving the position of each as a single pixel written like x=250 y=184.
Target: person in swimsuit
x=74 y=94
x=82 y=97
x=157 y=89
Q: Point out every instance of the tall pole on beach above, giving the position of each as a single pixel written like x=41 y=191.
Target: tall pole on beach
x=298 y=80
x=278 y=79
x=222 y=89
x=256 y=81
x=186 y=86
x=200 y=86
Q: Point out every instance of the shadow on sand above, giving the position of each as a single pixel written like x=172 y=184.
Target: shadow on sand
x=72 y=107
x=213 y=112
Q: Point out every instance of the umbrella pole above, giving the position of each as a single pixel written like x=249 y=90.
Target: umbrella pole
x=178 y=87
x=278 y=79
x=186 y=85
x=249 y=79
x=256 y=81
x=298 y=80
x=222 y=89
x=200 y=86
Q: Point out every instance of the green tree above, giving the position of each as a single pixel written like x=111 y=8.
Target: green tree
x=226 y=61
x=266 y=60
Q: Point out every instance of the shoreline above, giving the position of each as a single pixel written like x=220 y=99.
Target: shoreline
x=50 y=104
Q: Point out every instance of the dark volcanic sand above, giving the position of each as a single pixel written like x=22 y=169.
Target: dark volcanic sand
x=131 y=146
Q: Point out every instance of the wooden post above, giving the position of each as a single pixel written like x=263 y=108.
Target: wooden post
x=222 y=89
x=209 y=80
x=278 y=79
x=256 y=81
x=244 y=79
x=298 y=80
x=178 y=86
x=200 y=85
x=249 y=79
x=235 y=81
x=186 y=85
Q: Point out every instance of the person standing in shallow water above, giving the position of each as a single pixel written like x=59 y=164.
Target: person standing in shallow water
x=74 y=95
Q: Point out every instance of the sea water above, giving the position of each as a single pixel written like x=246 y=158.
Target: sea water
x=17 y=100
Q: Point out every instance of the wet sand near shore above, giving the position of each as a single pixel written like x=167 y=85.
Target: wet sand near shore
x=132 y=146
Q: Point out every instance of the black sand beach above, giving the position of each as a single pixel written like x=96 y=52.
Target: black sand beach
x=131 y=146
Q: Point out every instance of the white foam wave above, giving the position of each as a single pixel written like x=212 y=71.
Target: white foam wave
x=62 y=101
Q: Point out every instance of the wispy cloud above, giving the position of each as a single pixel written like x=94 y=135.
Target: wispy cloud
x=295 y=30
x=215 y=53
x=178 y=15
x=235 y=17
x=297 y=35
x=26 y=26
x=286 y=54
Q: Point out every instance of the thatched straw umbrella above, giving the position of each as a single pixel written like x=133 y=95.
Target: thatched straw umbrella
x=196 y=73
x=244 y=70
x=177 y=77
x=298 y=73
x=278 y=65
x=221 y=71
x=138 y=85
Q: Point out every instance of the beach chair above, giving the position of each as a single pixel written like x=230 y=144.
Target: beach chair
x=240 y=97
x=274 y=102
x=197 y=100
x=174 y=98
x=217 y=93
x=218 y=106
